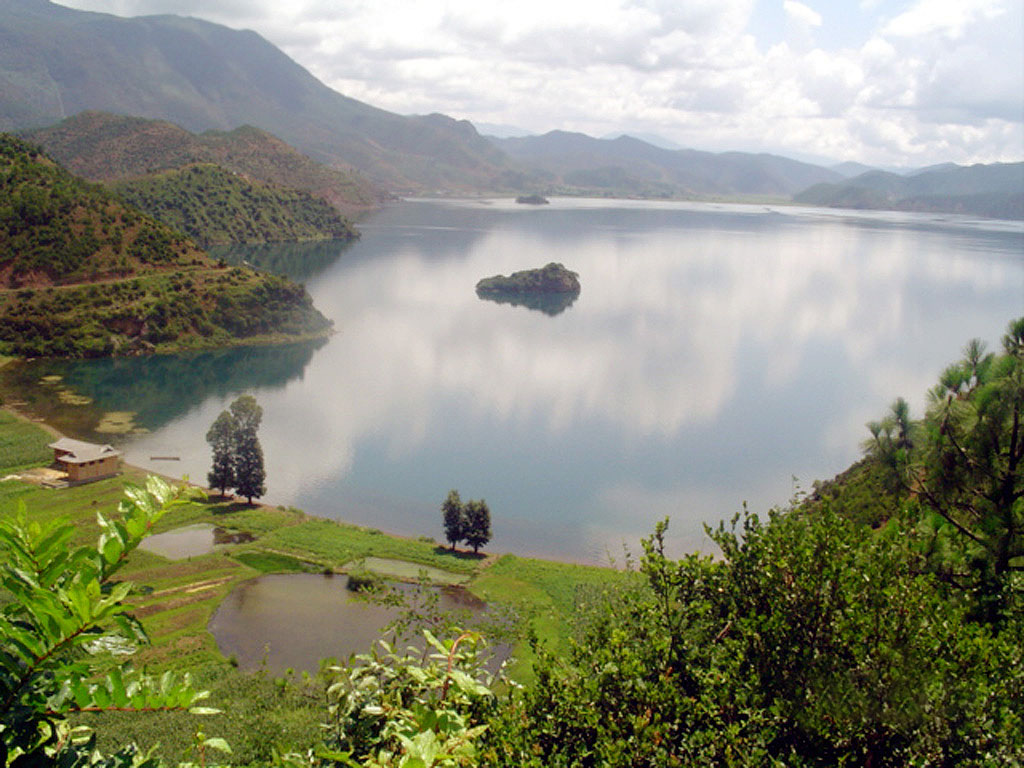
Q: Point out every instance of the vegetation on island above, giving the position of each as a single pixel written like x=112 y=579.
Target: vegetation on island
x=552 y=278
x=532 y=200
x=82 y=274
x=819 y=635
x=213 y=206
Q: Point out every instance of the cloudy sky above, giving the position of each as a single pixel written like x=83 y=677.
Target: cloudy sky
x=888 y=82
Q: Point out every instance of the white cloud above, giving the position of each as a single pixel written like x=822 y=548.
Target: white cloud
x=801 y=13
x=950 y=18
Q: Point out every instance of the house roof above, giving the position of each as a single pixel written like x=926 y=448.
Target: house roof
x=79 y=452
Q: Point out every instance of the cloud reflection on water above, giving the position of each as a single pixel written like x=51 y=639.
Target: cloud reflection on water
x=694 y=336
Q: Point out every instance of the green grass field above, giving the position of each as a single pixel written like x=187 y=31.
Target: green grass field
x=22 y=444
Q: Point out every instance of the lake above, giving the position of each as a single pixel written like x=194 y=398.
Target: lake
x=717 y=355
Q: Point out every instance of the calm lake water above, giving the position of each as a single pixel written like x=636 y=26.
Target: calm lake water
x=716 y=355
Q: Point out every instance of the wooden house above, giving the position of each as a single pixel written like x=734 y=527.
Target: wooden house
x=82 y=461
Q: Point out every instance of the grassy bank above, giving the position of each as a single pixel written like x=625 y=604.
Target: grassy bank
x=177 y=597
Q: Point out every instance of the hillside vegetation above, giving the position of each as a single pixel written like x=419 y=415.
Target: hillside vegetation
x=996 y=191
x=83 y=274
x=214 y=206
x=108 y=148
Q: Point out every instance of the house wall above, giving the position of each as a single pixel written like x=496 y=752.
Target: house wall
x=92 y=469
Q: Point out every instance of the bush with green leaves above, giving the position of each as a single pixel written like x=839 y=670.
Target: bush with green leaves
x=412 y=709
x=811 y=642
x=64 y=608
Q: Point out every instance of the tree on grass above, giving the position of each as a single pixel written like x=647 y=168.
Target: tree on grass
x=221 y=438
x=478 y=524
x=237 y=454
x=250 y=475
x=454 y=516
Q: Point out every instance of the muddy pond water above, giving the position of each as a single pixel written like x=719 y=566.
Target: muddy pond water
x=192 y=541
x=292 y=621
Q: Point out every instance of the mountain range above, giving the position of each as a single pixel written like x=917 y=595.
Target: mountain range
x=625 y=164
x=986 y=190
x=56 y=62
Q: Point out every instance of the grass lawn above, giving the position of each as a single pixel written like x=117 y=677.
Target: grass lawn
x=22 y=444
x=336 y=544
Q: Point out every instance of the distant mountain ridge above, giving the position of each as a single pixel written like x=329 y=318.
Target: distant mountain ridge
x=56 y=62
x=984 y=190
x=627 y=164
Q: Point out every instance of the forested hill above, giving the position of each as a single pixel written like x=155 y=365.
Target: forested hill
x=216 y=207
x=81 y=273
x=56 y=62
x=984 y=190
x=104 y=147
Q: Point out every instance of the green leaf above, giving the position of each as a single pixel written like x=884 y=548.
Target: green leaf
x=204 y=711
x=218 y=744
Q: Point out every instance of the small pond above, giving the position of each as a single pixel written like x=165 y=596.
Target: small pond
x=192 y=541
x=295 y=620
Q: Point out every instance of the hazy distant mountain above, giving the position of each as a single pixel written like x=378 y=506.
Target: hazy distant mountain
x=984 y=190
x=850 y=169
x=629 y=165
x=501 y=130
x=103 y=147
x=56 y=62
x=651 y=138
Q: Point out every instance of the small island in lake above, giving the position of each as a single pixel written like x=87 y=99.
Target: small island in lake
x=550 y=289
x=553 y=278
x=532 y=200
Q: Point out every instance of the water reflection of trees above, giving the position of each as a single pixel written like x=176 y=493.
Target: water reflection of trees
x=548 y=303
x=298 y=261
x=157 y=388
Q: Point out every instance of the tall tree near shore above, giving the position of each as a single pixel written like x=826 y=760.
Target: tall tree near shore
x=250 y=474
x=478 y=524
x=964 y=462
x=454 y=515
x=221 y=437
